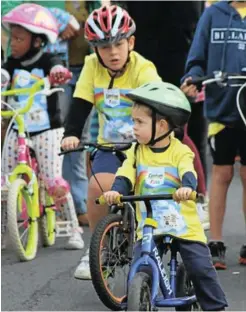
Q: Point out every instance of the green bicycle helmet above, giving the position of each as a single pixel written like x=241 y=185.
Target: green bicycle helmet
x=165 y=99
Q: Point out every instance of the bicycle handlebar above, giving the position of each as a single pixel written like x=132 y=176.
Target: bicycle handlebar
x=114 y=147
x=134 y=198
x=221 y=77
x=32 y=91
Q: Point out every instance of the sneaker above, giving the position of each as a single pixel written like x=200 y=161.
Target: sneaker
x=242 y=259
x=83 y=269
x=218 y=250
x=75 y=242
x=202 y=208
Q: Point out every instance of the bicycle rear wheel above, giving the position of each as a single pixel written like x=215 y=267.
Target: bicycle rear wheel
x=109 y=261
x=23 y=230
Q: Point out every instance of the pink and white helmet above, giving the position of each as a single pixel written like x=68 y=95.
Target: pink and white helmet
x=108 y=24
x=34 y=18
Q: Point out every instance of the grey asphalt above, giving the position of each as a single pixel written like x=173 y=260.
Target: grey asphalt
x=47 y=283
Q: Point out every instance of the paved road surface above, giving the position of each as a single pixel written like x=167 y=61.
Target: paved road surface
x=47 y=283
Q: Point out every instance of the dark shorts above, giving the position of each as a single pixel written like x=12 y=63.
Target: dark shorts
x=227 y=144
x=105 y=162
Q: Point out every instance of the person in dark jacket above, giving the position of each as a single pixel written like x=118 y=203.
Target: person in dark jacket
x=220 y=45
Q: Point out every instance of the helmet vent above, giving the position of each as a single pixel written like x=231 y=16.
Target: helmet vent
x=153 y=89
x=171 y=89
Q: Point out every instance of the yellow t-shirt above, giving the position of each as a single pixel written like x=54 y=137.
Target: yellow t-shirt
x=161 y=173
x=114 y=108
x=241 y=11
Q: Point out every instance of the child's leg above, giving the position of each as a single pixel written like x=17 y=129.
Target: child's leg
x=104 y=167
x=224 y=147
x=9 y=154
x=9 y=161
x=47 y=147
x=197 y=261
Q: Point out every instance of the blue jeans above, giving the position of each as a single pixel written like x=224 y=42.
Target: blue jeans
x=74 y=164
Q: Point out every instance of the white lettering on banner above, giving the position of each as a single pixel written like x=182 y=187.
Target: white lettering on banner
x=233 y=35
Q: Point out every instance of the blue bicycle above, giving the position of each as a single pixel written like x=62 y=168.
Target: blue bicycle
x=147 y=276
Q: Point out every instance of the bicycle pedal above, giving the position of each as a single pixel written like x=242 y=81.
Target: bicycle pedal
x=63 y=229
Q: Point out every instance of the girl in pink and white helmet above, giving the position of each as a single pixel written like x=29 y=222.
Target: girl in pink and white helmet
x=31 y=26
x=37 y=21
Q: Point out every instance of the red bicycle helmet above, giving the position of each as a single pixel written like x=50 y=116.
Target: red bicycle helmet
x=108 y=24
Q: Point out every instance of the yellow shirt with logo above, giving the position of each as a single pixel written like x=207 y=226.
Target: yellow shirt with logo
x=161 y=173
x=114 y=108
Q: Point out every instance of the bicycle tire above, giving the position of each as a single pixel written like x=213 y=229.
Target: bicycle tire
x=107 y=298
x=185 y=288
x=28 y=252
x=138 y=288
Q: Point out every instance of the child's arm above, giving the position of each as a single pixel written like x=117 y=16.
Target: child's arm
x=125 y=178
x=185 y=159
x=83 y=99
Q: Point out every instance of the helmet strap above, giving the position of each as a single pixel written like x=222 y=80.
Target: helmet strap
x=152 y=141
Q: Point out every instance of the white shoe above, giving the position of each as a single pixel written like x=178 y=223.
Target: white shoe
x=75 y=242
x=83 y=269
x=202 y=208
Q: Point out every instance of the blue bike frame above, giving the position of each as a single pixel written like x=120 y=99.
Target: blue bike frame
x=150 y=258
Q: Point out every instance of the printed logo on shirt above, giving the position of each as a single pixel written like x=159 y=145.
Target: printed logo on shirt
x=155 y=176
x=112 y=97
x=232 y=35
x=37 y=119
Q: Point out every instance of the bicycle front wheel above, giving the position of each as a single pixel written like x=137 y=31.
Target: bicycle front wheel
x=109 y=262
x=23 y=230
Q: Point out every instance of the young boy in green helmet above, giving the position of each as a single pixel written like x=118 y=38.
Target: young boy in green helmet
x=159 y=164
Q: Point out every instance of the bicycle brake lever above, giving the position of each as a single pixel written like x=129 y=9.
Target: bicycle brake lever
x=48 y=92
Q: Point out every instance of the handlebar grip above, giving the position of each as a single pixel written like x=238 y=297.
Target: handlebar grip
x=198 y=81
x=101 y=200
x=193 y=196
x=77 y=149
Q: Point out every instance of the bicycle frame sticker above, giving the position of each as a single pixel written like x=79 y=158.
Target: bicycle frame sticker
x=22 y=149
x=162 y=270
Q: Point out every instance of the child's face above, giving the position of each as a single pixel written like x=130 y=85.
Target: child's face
x=143 y=124
x=115 y=56
x=20 y=41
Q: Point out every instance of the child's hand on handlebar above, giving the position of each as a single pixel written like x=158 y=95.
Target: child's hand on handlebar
x=189 y=90
x=60 y=75
x=111 y=197
x=183 y=193
x=70 y=143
